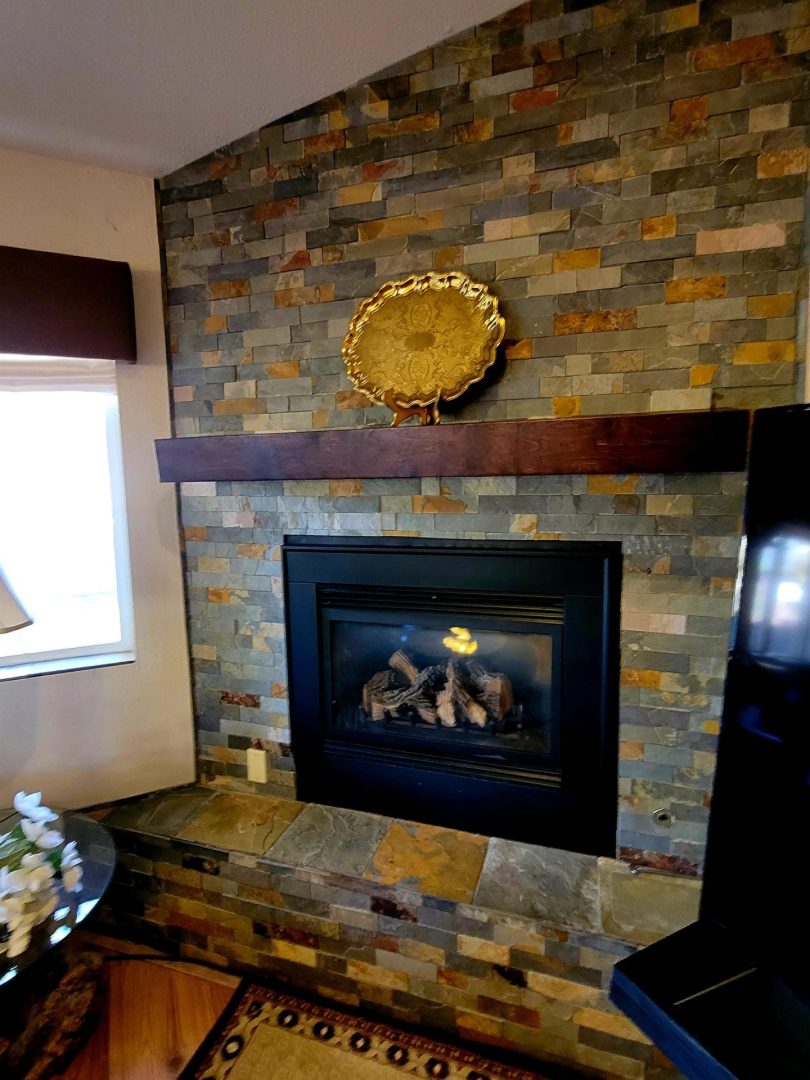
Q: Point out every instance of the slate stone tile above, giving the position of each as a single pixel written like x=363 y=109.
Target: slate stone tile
x=329 y=838
x=559 y=887
x=440 y=862
x=248 y=823
x=163 y=814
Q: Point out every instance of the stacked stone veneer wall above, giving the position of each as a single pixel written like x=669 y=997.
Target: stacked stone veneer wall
x=629 y=178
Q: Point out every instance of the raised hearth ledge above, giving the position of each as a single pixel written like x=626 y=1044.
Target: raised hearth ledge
x=404 y=862
x=678 y=442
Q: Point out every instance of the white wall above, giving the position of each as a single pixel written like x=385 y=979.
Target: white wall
x=88 y=736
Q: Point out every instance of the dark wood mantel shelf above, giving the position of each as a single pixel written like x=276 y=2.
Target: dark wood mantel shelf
x=647 y=442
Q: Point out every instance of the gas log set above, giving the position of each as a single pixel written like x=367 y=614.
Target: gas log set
x=457 y=694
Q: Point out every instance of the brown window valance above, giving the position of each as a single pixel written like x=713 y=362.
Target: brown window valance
x=65 y=305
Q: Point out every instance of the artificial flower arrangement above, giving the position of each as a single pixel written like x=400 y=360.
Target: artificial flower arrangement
x=32 y=857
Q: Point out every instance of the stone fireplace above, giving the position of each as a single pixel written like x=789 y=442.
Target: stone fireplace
x=461 y=683
x=630 y=183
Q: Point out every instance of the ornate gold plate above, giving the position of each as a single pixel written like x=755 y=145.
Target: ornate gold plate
x=426 y=337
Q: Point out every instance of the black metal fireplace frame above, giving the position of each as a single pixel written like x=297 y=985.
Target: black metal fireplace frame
x=571 y=804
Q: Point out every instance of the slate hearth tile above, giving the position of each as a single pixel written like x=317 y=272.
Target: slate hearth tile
x=163 y=814
x=558 y=887
x=249 y=823
x=439 y=862
x=329 y=838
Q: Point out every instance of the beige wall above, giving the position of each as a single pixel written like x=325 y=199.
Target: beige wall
x=88 y=736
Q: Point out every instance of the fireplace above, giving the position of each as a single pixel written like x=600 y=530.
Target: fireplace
x=468 y=684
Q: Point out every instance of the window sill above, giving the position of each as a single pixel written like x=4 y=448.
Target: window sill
x=69 y=663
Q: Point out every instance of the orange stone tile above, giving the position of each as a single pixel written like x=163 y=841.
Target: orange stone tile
x=437 y=504
x=555 y=72
x=219 y=596
x=376 y=170
x=449 y=977
x=284 y=369
x=536 y=98
x=565 y=134
x=702 y=374
x=447 y=257
x=227 y=290
x=345 y=487
x=658 y=228
x=518 y=350
x=612 y=485
x=682 y=290
x=566 y=406
x=747 y=238
x=724 y=54
x=579 y=259
x=358 y=193
x=305 y=294
x=771 y=307
x=523 y=523
x=681 y=18
x=515 y=1014
x=593 y=322
x=650 y=680
x=686 y=111
x=251 y=551
x=333 y=253
x=239 y=407
x=297 y=261
x=320 y=419
x=400 y=226
x=324 y=143
x=437 y=862
x=408 y=125
x=194 y=532
x=480 y=949
x=764 y=352
x=351 y=399
x=215 y=324
x=782 y=162
x=224 y=166
x=630 y=750
x=475 y=131
x=276 y=208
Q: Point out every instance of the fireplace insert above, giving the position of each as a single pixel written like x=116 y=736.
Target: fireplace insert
x=469 y=684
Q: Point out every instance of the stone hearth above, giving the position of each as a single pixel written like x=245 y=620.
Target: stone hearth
x=491 y=940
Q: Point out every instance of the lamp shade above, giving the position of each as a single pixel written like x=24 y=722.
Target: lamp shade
x=12 y=616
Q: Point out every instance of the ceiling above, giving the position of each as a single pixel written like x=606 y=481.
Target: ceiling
x=149 y=85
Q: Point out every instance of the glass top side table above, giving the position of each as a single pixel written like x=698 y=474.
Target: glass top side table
x=97 y=850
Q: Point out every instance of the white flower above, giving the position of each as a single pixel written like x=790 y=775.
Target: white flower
x=70 y=856
x=12 y=881
x=72 y=878
x=39 y=834
x=39 y=870
x=29 y=806
x=18 y=942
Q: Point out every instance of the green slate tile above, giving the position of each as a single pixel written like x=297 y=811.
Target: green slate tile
x=163 y=814
x=329 y=838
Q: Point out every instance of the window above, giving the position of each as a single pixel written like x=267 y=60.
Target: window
x=63 y=540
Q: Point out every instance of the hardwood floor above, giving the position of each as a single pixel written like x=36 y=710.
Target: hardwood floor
x=155 y=1015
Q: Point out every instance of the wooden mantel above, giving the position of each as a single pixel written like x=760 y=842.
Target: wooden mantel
x=647 y=442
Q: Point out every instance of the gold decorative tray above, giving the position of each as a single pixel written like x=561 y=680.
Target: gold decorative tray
x=426 y=337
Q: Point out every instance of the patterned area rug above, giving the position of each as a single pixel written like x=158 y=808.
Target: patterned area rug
x=267 y=1035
